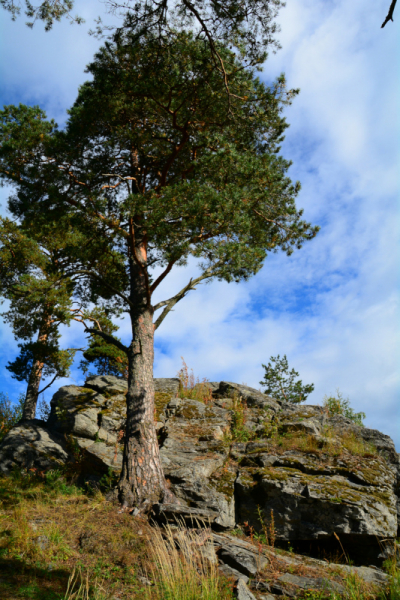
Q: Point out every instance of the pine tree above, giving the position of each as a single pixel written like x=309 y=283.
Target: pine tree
x=40 y=300
x=280 y=382
x=151 y=169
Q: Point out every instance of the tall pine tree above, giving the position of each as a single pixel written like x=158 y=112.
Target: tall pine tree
x=157 y=164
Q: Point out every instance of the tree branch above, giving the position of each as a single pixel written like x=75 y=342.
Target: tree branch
x=169 y=304
x=111 y=287
x=48 y=385
x=108 y=338
x=389 y=16
x=162 y=276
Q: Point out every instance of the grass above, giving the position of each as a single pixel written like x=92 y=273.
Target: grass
x=184 y=570
x=191 y=387
x=59 y=543
x=49 y=529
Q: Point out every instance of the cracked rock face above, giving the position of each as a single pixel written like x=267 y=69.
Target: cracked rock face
x=32 y=445
x=329 y=485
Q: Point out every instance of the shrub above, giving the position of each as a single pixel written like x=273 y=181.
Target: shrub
x=10 y=413
x=337 y=405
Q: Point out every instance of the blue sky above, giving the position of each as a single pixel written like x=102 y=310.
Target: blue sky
x=333 y=306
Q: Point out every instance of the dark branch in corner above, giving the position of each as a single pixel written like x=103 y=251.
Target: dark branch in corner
x=389 y=16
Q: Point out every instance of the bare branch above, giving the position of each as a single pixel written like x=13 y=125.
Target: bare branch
x=48 y=385
x=162 y=276
x=169 y=304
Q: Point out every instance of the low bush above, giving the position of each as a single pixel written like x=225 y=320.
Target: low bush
x=337 y=405
x=10 y=413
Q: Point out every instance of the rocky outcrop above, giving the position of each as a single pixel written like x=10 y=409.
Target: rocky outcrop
x=290 y=472
x=31 y=445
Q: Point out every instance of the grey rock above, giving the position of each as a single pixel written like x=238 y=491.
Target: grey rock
x=74 y=410
x=108 y=383
x=98 y=458
x=167 y=385
x=31 y=445
x=230 y=572
x=192 y=452
x=368 y=574
x=312 y=501
x=238 y=554
x=252 y=397
x=179 y=513
x=308 y=427
x=242 y=592
x=310 y=583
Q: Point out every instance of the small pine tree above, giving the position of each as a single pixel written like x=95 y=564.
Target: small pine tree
x=280 y=382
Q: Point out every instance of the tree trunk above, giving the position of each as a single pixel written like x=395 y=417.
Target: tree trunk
x=142 y=481
x=32 y=392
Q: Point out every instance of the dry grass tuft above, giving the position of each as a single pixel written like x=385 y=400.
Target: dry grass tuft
x=185 y=567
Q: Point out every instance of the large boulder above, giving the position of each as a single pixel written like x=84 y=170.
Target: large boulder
x=30 y=445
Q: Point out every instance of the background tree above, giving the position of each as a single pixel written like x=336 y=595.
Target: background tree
x=280 y=382
x=40 y=299
x=152 y=169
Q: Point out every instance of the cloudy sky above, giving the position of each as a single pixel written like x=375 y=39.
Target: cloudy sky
x=332 y=307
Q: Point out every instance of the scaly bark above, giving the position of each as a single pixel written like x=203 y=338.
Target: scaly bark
x=32 y=392
x=142 y=481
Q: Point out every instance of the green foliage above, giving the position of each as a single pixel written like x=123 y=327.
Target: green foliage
x=33 y=279
x=337 y=405
x=10 y=413
x=43 y=409
x=105 y=357
x=280 y=382
x=48 y=11
x=109 y=480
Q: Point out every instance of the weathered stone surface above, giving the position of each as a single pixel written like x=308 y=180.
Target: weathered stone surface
x=98 y=458
x=314 y=497
x=242 y=592
x=240 y=555
x=192 y=451
x=231 y=573
x=252 y=397
x=109 y=384
x=74 y=410
x=30 y=445
x=320 y=476
x=167 y=385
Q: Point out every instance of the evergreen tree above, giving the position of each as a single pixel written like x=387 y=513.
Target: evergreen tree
x=280 y=382
x=40 y=300
x=151 y=169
